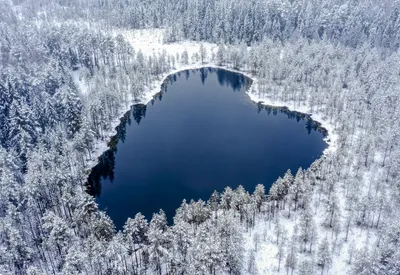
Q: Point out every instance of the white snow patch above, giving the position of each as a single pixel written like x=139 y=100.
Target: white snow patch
x=150 y=41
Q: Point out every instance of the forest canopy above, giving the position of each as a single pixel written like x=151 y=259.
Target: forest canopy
x=67 y=72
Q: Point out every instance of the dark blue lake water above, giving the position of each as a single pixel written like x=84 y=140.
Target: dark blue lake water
x=200 y=134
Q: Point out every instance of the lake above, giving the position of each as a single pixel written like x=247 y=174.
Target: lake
x=199 y=134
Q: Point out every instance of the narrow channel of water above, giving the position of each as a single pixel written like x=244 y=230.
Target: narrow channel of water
x=200 y=134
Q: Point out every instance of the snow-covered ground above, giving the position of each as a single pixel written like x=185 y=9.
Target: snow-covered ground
x=150 y=42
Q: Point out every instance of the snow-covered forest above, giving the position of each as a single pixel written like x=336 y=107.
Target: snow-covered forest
x=69 y=69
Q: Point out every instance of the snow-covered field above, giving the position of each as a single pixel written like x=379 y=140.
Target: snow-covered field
x=150 y=41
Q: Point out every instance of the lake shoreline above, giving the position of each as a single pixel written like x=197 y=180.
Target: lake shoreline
x=102 y=146
x=330 y=137
x=103 y=172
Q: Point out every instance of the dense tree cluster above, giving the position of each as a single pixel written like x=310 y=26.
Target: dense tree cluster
x=352 y=23
x=64 y=80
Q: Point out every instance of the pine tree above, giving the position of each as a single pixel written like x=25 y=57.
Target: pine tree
x=159 y=240
x=259 y=196
x=213 y=202
x=324 y=257
x=135 y=234
x=231 y=243
x=185 y=57
x=226 y=198
x=291 y=258
x=308 y=229
x=59 y=233
x=75 y=261
x=22 y=133
x=221 y=55
x=203 y=53
x=70 y=109
x=280 y=254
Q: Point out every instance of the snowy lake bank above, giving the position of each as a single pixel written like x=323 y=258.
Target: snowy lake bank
x=201 y=133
